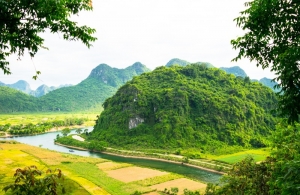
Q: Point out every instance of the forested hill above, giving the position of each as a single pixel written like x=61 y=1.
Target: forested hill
x=102 y=83
x=190 y=106
x=12 y=100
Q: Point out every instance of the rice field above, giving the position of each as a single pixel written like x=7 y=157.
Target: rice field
x=34 y=118
x=87 y=175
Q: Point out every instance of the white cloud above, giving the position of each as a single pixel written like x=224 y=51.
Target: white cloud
x=149 y=31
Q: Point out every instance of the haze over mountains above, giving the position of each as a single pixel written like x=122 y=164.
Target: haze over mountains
x=24 y=86
x=102 y=83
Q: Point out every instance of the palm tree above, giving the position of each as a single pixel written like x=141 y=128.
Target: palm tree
x=78 y=131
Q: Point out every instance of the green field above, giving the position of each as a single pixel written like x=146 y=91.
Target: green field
x=25 y=118
x=257 y=155
x=84 y=175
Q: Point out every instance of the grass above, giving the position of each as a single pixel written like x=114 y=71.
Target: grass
x=83 y=176
x=13 y=159
x=258 y=155
x=25 y=118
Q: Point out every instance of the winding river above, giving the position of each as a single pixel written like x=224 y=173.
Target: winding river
x=46 y=141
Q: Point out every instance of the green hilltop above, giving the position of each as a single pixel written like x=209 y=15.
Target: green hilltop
x=102 y=83
x=185 y=107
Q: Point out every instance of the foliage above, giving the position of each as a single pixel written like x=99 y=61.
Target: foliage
x=179 y=62
x=66 y=140
x=41 y=127
x=78 y=130
x=29 y=181
x=65 y=131
x=102 y=83
x=12 y=100
x=56 y=119
x=93 y=145
x=22 y=22
x=277 y=175
x=272 y=40
x=192 y=106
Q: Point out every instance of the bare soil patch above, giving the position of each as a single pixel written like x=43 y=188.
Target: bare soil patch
x=130 y=174
x=78 y=138
x=181 y=184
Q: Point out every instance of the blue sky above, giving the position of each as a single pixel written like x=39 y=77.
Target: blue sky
x=149 y=31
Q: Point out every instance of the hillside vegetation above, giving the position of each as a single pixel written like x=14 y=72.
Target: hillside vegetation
x=12 y=100
x=192 y=106
x=102 y=83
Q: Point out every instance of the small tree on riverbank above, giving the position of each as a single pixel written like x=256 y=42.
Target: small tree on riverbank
x=66 y=131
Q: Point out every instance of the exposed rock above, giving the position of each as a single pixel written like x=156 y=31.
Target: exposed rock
x=134 y=122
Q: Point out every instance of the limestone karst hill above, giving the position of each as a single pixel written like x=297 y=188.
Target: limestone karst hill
x=192 y=106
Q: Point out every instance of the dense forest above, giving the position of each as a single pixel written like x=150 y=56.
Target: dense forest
x=192 y=106
x=13 y=100
x=102 y=83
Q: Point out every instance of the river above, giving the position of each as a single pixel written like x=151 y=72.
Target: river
x=47 y=141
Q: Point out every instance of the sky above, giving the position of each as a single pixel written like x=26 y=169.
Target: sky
x=148 y=31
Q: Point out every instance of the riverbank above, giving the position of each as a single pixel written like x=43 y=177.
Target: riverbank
x=117 y=178
x=162 y=158
x=54 y=129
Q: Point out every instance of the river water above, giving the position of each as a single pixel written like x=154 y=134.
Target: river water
x=47 y=141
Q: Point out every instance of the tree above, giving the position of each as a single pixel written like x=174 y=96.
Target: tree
x=272 y=39
x=65 y=131
x=78 y=130
x=279 y=174
x=30 y=182
x=22 y=22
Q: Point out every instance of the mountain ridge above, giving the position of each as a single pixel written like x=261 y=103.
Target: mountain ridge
x=89 y=94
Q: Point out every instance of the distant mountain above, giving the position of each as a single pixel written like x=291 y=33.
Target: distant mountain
x=236 y=70
x=20 y=85
x=269 y=83
x=24 y=86
x=102 y=83
x=44 y=89
x=177 y=61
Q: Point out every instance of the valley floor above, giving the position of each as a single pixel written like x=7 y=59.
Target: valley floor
x=87 y=175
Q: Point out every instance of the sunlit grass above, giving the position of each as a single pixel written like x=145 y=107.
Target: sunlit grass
x=83 y=175
x=25 y=118
x=257 y=155
x=14 y=159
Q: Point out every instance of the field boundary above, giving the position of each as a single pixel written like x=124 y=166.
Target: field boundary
x=148 y=158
